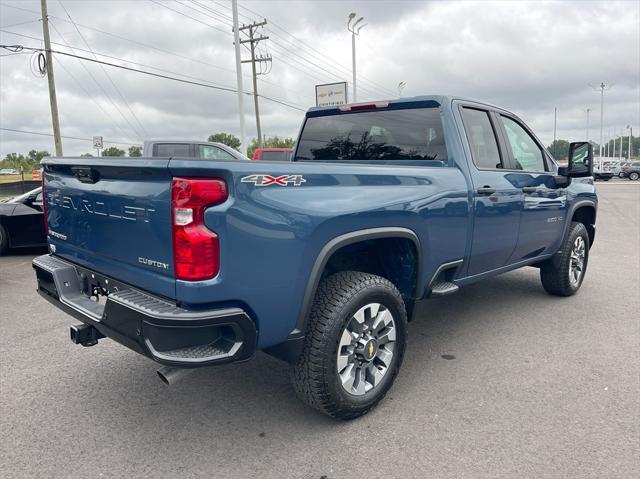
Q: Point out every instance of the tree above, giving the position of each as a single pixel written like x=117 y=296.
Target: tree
x=135 y=151
x=559 y=149
x=112 y=151
x=37 y=156
x=86 y=155
x=13 y=160
x=226 y=139
x=269 y=142
x=18 y=162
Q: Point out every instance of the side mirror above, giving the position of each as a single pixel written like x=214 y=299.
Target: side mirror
x=580 y=160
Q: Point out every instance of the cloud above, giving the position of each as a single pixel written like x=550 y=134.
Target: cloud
x=527 y=57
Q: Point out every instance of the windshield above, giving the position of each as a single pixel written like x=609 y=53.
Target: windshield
x=369 y=136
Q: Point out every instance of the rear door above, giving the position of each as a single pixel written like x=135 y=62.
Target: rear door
x=497 y=201
x=544 y=204
x=113 y=217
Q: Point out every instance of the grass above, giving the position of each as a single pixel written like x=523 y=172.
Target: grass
x=13 y=178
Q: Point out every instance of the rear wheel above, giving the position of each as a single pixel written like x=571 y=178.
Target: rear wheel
x=4 y=240
x=354 y=344
x=563 y=275
x=634 y=175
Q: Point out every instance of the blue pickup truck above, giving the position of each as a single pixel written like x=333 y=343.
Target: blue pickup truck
x=318 y=261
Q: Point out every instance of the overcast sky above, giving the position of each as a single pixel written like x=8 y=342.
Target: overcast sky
x=527 y=57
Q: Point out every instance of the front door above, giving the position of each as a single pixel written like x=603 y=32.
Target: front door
x=497 y=201
x=545 y=205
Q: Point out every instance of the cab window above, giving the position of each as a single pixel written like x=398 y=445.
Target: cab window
x=172 y=149
x=482 y=139
x=527 y=155
x=208 y=152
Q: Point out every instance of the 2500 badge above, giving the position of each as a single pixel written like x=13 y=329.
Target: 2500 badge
x=266 y=180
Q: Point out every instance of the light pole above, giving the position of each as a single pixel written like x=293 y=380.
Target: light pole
x=401 y=85
x=588 y=110
x=621 y=136
x=555 y=117
x=602 y=87
x=630 y=141
x=354 y=28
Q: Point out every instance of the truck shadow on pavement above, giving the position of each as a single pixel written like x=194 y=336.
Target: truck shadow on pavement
x=257 y=394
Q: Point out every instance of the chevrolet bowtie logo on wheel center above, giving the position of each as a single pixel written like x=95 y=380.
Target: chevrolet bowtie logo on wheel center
x=370 y=350
x=282 y=180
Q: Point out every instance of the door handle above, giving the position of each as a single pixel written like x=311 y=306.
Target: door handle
x=529 y=189
x=486 y=190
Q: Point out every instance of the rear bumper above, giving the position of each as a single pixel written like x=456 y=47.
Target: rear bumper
x=149 y=325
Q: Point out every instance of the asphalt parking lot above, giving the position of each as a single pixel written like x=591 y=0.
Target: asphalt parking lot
x=538 y=387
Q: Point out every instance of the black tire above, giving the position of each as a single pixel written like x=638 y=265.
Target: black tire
x=4 y=241
x=316 y=377
x=634 y=175
x=555 y=273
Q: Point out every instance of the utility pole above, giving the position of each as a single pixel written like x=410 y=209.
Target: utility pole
x=588 y=110
x=236 y=42
x=253 y=41
x=52 y=84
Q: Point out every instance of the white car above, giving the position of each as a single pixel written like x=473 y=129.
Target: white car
x=8 y=171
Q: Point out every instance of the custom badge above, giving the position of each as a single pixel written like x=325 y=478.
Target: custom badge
x=267 y=180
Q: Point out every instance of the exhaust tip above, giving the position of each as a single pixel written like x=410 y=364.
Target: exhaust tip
x=162 y=377
x=170 y=375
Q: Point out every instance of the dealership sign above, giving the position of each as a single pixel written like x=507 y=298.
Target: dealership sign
x=331 y=94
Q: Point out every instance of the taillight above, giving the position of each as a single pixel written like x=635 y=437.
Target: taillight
x=44 y=209
x=196 y=250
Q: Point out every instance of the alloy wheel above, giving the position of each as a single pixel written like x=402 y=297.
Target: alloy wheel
x=576 y=266
x=366 y=349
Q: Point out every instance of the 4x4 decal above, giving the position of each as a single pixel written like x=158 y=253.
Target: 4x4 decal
x=266 y=180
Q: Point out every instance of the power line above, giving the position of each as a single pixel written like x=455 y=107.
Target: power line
x=98 y=84
x=90 y=96
x=74 y=49
x=21 y=23
x=188 y=16
x=152 y=47
x=225 y=87
x=105 y=72
x=167 y=77
x=292 y=54
x=67 y=137
x=299 y=41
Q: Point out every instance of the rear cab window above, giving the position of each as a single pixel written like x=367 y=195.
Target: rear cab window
x=390 y=135
x=172 y=149
x=275 y=156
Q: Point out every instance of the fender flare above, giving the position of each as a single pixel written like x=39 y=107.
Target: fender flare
x=334 y=245
x=574 y=208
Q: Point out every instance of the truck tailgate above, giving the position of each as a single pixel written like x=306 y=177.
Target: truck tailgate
x=113 y=217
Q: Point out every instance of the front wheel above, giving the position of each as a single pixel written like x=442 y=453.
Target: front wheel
x=354 y=344
x=563 y=274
